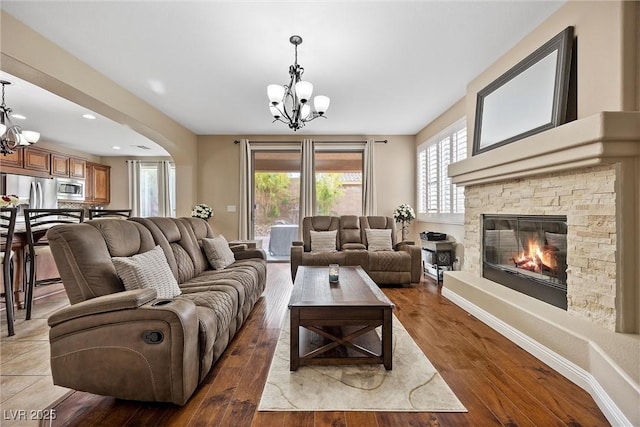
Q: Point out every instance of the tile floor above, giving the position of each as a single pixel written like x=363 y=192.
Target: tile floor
x=26 y=386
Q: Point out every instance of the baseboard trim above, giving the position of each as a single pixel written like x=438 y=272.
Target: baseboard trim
x=565 y=367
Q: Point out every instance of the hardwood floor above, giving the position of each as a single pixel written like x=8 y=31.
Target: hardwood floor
x=498 y=382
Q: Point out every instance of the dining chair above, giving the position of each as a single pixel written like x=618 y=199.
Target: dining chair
x=37 y=223
x=7 y=227
x=109 y=213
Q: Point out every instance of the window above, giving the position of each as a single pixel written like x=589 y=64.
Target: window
x=338 y=182
x=439 y=200
x=154 y=188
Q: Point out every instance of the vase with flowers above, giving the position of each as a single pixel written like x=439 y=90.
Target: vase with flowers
x=8 y=201
x=202 y=211
x=404 y=214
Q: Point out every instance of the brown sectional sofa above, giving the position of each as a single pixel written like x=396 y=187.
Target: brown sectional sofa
x=402 y=265
x=130 y=344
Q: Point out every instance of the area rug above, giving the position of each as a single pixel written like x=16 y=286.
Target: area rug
x=413 y=385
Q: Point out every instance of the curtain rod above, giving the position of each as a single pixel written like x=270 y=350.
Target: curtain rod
x=384 y=141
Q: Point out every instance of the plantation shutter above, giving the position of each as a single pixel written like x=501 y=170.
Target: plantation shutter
x=432 y=179
x=460 y=153
x=438 y=199
x=444 y=147
x=422 y=181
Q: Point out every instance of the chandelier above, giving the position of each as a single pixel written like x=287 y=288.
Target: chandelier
x=290 y=104
x=12 y=136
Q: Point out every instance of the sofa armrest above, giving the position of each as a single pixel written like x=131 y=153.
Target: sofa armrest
x=148 y=352
x=250 y=253
x=399 y=245
x=104 y=304
x=296 y=259
x=297 y=243
x=416 y=259
x=238 y=247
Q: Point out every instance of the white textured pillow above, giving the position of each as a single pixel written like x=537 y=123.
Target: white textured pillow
x=323 y=241
x=218 y=252
x=378 y=239
x=147 y=270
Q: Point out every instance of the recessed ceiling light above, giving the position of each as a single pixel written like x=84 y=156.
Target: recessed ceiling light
x=89 y=116
x=157 y=86
x=18 y=116
x=115 y=147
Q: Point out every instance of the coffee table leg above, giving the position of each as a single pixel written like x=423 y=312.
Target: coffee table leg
x=387 y=340
x=294 y=348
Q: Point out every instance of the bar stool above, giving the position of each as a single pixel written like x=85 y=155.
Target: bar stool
x=37 y=222
x=7 y=226
x=104 y=213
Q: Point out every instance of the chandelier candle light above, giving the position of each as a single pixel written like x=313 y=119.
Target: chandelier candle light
x=290 y=104
x=12 y=136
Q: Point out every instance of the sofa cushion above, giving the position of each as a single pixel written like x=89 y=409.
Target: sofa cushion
x=147 y=270
x=222 y=302
x=218 y=252
x=379 y=240
x=391 y=261
x=323 y=241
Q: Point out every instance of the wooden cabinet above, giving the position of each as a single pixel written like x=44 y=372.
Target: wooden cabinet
x=66 y=166
x=11 y=160
x=97 y=184
x=77 y=167
x=44 y=163
x=36 y=159
x=59 y=165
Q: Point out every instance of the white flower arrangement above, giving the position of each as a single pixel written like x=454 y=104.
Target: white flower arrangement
x=404 y=213
x=8 y=201
x=202 y=211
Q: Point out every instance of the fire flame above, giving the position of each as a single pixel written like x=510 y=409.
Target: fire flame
x=536 y=257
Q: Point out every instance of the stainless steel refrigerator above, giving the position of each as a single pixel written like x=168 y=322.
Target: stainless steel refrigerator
x=34 y=193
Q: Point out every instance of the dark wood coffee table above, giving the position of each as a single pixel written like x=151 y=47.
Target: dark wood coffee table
x=334 y=324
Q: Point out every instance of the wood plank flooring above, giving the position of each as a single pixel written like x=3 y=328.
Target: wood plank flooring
x=498 y=382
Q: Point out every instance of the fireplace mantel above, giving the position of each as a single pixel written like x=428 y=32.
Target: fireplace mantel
x=599 y=139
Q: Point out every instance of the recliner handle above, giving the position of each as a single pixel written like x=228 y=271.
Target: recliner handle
x=153 y=337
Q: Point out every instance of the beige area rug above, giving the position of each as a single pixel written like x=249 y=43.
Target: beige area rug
x=413 y=385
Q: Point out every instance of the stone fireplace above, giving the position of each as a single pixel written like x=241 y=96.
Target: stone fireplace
x=586 y=197
x=585 y=171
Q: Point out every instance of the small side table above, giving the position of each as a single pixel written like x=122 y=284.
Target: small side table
x=437 y=253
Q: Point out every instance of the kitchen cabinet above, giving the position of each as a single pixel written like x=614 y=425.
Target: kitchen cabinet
x=67 y=166
x=36 y=159
x=77 y=167
x=97 y=184
x=11 y=160
x=59 y=165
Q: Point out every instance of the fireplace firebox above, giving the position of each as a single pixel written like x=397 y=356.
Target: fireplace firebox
x=527 y=254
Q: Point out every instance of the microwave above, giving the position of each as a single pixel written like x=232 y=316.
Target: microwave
x=70 y=189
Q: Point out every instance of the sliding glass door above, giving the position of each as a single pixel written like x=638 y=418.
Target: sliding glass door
x=276 y=200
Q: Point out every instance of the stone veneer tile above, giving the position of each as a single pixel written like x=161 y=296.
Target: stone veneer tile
x=587 y=197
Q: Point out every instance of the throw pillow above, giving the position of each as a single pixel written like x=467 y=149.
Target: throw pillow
x=147 y=270
x=379 y=239
x=218 y=252
x=323 y=241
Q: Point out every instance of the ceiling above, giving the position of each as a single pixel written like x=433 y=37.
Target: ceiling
x=389 y=67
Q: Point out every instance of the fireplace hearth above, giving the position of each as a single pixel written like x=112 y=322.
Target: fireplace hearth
x=527 y=254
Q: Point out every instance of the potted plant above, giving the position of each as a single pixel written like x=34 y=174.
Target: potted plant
x=404 y=214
